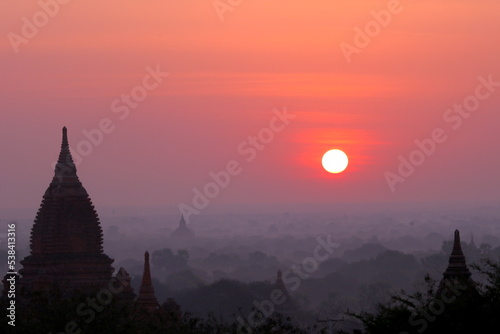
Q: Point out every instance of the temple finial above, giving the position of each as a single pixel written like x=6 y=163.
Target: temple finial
x=457 y=247
x=65 y=155
x=65 y=170
x=146 y=277
x=65 y=137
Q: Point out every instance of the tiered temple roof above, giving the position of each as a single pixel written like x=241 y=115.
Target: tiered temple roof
x=127 y=293
x=66 y=245
x=457 y=273
x=66 y=238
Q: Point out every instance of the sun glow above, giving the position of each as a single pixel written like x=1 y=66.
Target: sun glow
x=335 y=161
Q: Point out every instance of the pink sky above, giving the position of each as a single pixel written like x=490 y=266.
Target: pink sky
x=226 y=77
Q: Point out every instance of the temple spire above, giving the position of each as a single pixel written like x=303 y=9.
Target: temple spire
x=182 y=223
x=280 y=285
x=65 y=169
x=65 y=154
x=457 y=247
x=147 y=298
x=183 y=231
x=472 y=243
x=65 y=136
x=146 y=277
x=456 y=263
x=457 y=271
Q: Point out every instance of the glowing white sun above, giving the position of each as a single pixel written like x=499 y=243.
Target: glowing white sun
x=335 y=161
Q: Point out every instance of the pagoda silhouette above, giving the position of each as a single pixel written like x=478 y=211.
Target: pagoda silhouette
x=66 y=244
x=457 y=273
x=147 y=299
x=66 y=257
x=182 y=231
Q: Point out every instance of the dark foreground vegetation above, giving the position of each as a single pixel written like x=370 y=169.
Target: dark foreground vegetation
x=421 y=312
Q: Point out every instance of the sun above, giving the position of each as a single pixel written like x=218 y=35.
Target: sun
x=335 y=161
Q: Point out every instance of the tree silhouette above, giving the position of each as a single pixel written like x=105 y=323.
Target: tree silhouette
x=474 y=311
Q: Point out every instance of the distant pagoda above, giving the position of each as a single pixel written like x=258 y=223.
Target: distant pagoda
x=147 y=299
x=280 y=285
x=457 y=273
x=66 y=245
x=183 y=232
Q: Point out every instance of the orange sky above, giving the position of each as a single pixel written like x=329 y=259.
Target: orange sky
x=226 y=77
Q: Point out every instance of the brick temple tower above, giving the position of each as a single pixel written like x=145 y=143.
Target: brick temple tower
x=66 y=251
x=147 y=299
x=457 y=273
